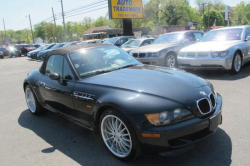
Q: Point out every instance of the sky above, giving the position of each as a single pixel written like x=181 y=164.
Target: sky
x=14 y=12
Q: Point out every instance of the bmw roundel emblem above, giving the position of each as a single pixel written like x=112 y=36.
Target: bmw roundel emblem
x=203 y=93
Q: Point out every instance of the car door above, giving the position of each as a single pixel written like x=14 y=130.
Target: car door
x=247 y=45
x=57 y=94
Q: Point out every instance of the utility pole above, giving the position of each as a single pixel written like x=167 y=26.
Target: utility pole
x=64 y=28
x=55 y=25
x=31 y=31
x=5 y=35
x=208 y=15
x=203 y=9
x=27 y=35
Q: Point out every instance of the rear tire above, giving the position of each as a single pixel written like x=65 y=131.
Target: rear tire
x=32 y=102
x=237 y=63
x=118 y=136
x=1 y=57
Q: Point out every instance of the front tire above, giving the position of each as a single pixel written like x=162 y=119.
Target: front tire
x=237 y=62
x=171 y=60
x=119 y=136
x=34 y=106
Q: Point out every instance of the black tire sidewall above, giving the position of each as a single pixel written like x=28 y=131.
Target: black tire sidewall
x=135 y=151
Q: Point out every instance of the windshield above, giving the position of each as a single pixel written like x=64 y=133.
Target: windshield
x=101 y=60
x=57 y=46
x=169 y=38
x=111 y=40
x=132 y=43
x=46 y=47
x=222 y=35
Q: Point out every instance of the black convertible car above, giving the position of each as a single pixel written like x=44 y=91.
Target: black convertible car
x=137 y=108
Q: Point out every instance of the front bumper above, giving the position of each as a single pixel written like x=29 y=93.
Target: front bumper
x=208 y=63
x=176 y=137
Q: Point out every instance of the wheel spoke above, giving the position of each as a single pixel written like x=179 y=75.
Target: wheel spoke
x=116 y=136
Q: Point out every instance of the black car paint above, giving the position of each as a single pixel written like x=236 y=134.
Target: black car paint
x=133 y=91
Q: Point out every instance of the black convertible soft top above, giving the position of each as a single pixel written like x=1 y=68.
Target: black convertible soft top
x=67 y=49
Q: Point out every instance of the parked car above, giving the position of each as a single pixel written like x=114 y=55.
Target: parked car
x=25 y=48
x=164 y=50
x=118 y=41
x=42 y=54
x=225 y=48
x=14 y=52
x=33 y=54
x=91 y=41
x=135 y=43
x=1 y=55
x=71 y=43
x=137 y=108
x=5 y=51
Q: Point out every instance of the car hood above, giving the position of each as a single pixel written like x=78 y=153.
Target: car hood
x=127 y=49
x=153 y=80
x=35 y=51
x=155 y=47
x=211 y=46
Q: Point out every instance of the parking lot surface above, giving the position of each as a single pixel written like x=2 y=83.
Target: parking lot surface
x=51 y=140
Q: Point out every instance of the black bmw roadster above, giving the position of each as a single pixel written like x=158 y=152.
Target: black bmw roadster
x=136 y=108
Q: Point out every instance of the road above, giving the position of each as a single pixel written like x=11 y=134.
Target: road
x=51 y=140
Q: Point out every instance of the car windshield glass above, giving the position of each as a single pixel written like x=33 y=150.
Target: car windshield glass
x=169 y=38
x=223 y=35
x=101 y=60
x=111 y=40
x=83 y=42
x=132 y=43
x=57 y=46
x=46 y=47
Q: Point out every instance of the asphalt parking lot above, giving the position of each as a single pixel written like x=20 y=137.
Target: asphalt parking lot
x=51 y=140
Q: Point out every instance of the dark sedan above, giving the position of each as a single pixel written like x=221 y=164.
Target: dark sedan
x=137 y=108
x=42 y=54
x=33 y=54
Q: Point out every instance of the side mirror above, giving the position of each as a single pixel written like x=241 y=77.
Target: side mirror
x=118 y=45
x=54 y=76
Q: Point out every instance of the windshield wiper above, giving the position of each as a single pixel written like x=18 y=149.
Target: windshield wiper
x=96 y=72
x=106 y=71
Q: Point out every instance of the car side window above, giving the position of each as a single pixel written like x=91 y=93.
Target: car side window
x=197 y=35
x=67 y=72
x=54 y=65
x=247 y=33
x=122 y=40
x=190 y=37
x=146 y=42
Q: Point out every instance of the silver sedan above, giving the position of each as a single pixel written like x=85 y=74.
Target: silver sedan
x=226 y=48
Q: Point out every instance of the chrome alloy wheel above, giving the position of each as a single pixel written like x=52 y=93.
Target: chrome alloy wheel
x=237 y=63
x=116 y=136
x=30 y=99
x=171 y=61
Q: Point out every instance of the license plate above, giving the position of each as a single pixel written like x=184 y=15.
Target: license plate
x=214 y=122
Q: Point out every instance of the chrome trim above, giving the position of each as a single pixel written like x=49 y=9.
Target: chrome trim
x=214 y=99
x=83 y=96
x=210 y=105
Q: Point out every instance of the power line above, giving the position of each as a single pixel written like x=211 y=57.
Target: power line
x=86 y=12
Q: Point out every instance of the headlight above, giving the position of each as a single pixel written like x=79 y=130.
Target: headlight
x=219 y=54
x=154 y=54
x=168 y=117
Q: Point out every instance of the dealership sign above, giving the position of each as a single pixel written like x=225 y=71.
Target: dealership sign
x=120 y=9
